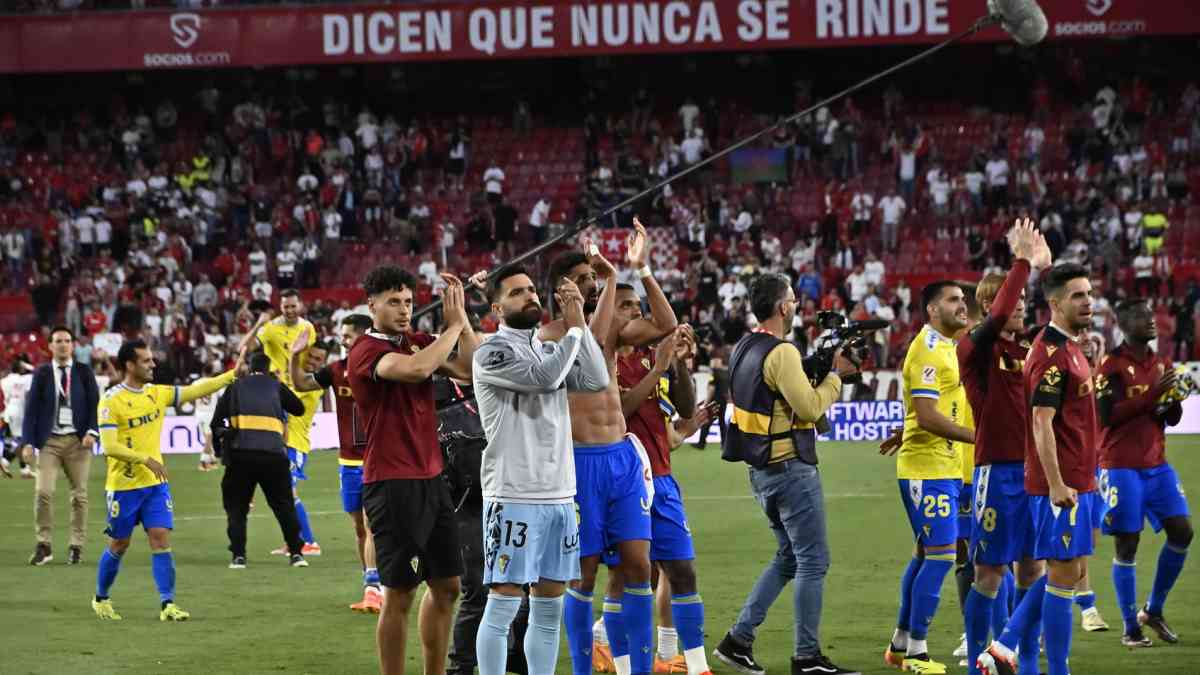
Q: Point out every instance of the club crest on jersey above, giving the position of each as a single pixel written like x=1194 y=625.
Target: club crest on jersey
x=646 y=364
x=415 y=349
x=503 y=560
x=1050 y=349
x=1066 y=540
x=415 y=562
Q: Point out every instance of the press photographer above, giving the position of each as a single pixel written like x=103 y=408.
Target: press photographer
x=773 y=430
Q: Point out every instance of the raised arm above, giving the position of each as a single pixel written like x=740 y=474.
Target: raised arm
x=204 y=387
x=398 y=367
x=459 y=364
x=640 y=332
x=606 y=306
x=683 y=387
x=664 y=358
x=301 y=380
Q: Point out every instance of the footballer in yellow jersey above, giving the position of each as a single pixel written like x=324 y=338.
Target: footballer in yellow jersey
x=277 y=335
x=930 y=470
x=299 y=429
x=130 y=418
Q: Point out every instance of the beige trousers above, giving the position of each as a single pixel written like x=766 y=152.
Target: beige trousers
x=65 y=454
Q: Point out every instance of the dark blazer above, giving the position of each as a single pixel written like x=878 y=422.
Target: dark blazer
x=41 y=403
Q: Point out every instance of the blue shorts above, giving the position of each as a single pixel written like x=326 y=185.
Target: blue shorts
x=298 y=461
x=932 y=508
x=1099 y=507
x=1153 y=494
x=351 y=486
x=150 y=506
x=1063 y=534
x=671 y=539
x=526 y=542
x=965 y=526
x=1002 y=530
x=611 y=493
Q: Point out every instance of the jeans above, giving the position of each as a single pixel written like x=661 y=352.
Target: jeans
x=790 y=495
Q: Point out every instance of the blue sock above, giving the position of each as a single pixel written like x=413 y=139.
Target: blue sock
x=1057 y=618
x=1086 y=600
x=1023 y=628
x=637 y=609
x=541 y=638
x=978 y=610
x=906 y=586
x=162 y=564
x=305 y=529
x=1018 y=596
x=1170 y=564
x=688 y=613
x=927 y=592
x=1124 y=576
x=371 y=577
x=577 y=616
x=106 y=572
x=491 y=642
x=1000 y=608
x=614 y=626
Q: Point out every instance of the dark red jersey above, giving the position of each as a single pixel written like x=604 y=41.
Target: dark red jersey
x=649 y=421
x=352 y=436
x=1058 y=376
x=1133 y=436
x=991 y=369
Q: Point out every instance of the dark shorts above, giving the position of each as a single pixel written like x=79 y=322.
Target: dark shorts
x=416 y=535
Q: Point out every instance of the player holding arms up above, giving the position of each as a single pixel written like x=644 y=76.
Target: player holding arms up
x=531 y=526
x=1139 y=394
x=131 y=418
x=930 y=468
x=1061 y=459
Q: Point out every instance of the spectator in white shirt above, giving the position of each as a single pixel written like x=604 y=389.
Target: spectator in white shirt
x=906 y=173
x=732 y=288
x=939 y=191
x=258 y=261
x=891 y=210
x=427 y=271
x=307 y=182
x=856 y=284
x=692 y=147
x=261 y=289
x=1143 y=274
x=974 y=180
x=1034 y=139
x=493 y=183
x=367 y=132
x=804 y=252
x=861 y=204
x=997 y=179
x=874 y=269
x=539 y=218
x=743 y=222
x=85 y=234
x=688 y=113
x=772 y=249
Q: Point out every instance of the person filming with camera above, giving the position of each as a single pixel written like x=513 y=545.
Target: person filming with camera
x=776 y=409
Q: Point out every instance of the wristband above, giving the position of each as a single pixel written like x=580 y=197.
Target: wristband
x=644 y=271
x=594 y=250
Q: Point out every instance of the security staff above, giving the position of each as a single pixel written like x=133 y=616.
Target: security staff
x=461 y=435
x=775 y=409
x=248 y=425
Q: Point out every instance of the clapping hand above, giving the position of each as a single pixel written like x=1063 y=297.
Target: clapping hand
x=637 y=249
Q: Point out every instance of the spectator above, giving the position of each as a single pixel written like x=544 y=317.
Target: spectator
x=731 y=289
x=493 y=181
x=857 y=285
x=1033 y=138
x=539 y=219
x=997 y=180
x=808 y=285
x=688 y=113
x=974 y=179
x=261 y=290
x=1154 y=228
x=310 y=266
x=504 y=225
x=906 y=173
x=862 y=203
x=204 y=295
x=891 y=209
x=693 y=147
x=874 y=269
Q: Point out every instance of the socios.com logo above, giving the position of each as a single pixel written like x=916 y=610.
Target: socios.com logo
x=185 y=28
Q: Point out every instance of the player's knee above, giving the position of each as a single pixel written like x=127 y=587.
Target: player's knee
x=1126 y=546
x=445 y=591
x=1179 y=533
x=988 y=577
x=119 y=546
x=682 y=576
x=636 y=571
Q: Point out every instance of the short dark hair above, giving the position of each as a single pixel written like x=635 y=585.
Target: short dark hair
x=1126 y=306
x=1057 y=277
x=361 y=322
x=933 y=291
x=563 y=264
x=626 y=287
x=767 y=291
x=259 y=362
x=325 y=345
x=388 y=278
x=62 y=329
x=289 y=293
x=501 y=275
x=128 y=352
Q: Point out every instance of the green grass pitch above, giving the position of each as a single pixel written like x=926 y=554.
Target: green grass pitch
x=273 y=619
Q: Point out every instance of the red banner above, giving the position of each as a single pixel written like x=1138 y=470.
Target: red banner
x=527 y=29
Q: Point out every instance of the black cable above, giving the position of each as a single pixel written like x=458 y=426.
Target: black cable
x=979 y=24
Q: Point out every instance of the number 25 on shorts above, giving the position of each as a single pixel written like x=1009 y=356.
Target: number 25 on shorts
x=941 y=503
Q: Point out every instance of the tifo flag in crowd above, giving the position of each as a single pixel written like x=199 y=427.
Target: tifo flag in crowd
x=664 y=249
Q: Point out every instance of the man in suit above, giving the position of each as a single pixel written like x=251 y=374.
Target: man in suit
x=60 y=425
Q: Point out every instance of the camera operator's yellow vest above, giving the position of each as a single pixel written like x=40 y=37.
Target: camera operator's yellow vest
x=763 y=429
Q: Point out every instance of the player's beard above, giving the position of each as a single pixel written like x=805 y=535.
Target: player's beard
x=589 y=307
x=527 y=318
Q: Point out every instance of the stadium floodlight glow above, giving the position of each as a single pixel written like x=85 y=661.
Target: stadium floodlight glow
x=978 y=25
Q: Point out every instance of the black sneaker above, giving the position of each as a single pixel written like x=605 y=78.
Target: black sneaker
x=1156 y=623
x=737 y=656
x=298 y=560
x=74 y=555
x=819 y=665
x=238 y=562
x=1136 y=639
x=41 y=555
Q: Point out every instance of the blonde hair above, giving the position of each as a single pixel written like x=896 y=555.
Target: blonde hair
x=988 y=288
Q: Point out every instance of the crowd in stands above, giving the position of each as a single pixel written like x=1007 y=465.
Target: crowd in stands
x=183 y=218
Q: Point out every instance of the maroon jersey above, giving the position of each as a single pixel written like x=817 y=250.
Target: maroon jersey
x=991 y=369
x=400 y=418
x=1057 y=375
x=352 y=437
x=649 y=421
x=1133 y=436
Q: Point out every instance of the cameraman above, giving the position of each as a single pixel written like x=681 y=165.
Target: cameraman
x=248 y=426
x=775 y=410
x=462 y=438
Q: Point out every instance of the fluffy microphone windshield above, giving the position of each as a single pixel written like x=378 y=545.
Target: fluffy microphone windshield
x=1022 y=19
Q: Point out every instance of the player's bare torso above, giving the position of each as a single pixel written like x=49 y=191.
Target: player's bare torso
x=596 y=417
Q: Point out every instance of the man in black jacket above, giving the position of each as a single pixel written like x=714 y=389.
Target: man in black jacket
x=60 y=424
x=248 y=426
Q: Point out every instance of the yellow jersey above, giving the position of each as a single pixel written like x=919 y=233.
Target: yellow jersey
x=299 y=427
x=277 y=338
x=931 y=371
x=130 y=422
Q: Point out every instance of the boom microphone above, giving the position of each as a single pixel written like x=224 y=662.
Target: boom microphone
x=1022 y=19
